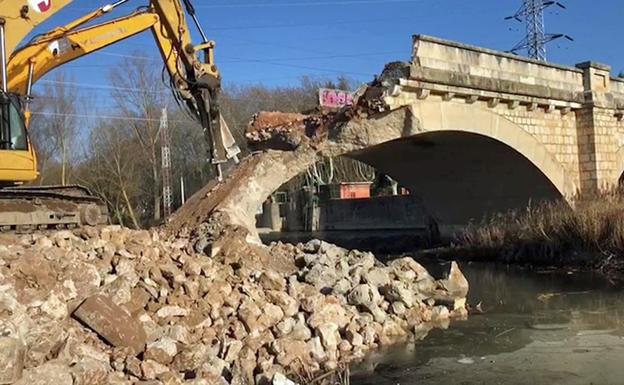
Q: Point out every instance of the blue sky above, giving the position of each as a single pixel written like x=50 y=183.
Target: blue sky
x=275 y=42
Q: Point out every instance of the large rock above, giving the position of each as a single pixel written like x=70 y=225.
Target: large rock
x=329 y=311
x=51 y=373
x=233 y=351
x=43 y=340
x=288 y=304
x=89 y=371
x=456 y=283
x=151 y=369
x=289 y=350
x=364 y=295
x=191 y=358
x=112 y=323
x=271 y=316
x=315 y=347
x=376 y=277
x=398 y=291
x=321 y=276
x=162 y=351
x=171 y=311
x=248 y=314
x=330 y=338
x=272 y=280
x=300 y=330
x=410 y=270
x=280 y=379
x=12 y=352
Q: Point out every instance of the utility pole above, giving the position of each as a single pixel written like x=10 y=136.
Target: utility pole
x=532 y=14
x=165 y=145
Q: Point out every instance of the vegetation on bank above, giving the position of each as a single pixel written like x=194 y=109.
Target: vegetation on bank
x=589 y=235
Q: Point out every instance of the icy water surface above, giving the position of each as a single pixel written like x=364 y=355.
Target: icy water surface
x=537 y=328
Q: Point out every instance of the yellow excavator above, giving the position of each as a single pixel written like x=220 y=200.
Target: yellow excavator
x=195 y=80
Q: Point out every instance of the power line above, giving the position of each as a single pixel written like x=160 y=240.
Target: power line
x=311 y=24
x=279 y=59
x=147 y=58
x=93 y=116
x=363 y=54
x=230 y=60
x=97 y=88
x=103 y=87
x=305 y=4
x=287 y=4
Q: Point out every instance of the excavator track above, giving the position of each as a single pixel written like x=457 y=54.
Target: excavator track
x=29 y=208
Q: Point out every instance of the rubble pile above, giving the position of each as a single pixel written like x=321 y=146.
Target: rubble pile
x=278 y=126
x=285 y=131
x=117 y=306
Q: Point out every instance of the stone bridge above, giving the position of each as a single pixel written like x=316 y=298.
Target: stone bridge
x=469 y=130
x=473 y=131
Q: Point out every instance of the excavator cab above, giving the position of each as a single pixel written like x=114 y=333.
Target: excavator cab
x=12 y=127
x=17 y=162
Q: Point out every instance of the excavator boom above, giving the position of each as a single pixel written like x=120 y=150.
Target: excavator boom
x=22 y=16
x=33 y=61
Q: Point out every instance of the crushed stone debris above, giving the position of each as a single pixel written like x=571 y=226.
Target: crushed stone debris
x=119 y=306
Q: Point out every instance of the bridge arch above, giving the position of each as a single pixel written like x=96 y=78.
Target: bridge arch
x=439 y=116
x=463 y=160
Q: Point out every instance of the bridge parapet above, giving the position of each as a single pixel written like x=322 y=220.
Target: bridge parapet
x=482 y=71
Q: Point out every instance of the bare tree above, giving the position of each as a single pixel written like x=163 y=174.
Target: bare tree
x=140 y=94
x=54 y=126
x=112 y=172
x=189 y=153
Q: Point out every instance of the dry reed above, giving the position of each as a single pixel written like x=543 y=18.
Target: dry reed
x=591 y=234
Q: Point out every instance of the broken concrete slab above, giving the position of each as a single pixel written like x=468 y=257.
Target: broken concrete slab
x=112 y=323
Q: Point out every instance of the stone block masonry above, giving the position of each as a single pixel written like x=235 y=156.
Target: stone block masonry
x=574 y=114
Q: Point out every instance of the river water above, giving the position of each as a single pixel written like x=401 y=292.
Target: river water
x=536 y=328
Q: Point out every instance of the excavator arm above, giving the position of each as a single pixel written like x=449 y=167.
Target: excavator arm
x=195 y=81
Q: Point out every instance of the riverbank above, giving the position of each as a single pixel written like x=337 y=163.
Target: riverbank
x=590 y=236
x=117 y=306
